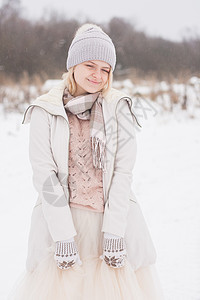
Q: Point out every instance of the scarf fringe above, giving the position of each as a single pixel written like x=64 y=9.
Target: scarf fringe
x=98 y=153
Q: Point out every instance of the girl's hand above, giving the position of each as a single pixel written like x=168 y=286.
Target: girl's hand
x=66 y=254
x=114 y=250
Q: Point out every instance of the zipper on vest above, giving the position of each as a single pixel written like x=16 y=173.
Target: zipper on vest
x=68 y=164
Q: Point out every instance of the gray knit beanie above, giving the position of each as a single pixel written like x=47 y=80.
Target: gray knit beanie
x=91 y=43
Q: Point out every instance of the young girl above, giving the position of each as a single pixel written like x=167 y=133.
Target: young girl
x=88 y=238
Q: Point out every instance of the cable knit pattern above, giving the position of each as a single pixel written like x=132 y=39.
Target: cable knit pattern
x=84 y=181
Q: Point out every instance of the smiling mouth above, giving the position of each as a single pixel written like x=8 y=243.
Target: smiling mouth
x=94 y=82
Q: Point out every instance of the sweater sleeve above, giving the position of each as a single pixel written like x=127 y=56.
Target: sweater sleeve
x=55 y=205
x=117 y=205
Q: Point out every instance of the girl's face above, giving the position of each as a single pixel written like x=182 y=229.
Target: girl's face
x=91 y=76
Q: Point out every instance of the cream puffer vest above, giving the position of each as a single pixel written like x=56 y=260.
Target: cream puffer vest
x=48 y=151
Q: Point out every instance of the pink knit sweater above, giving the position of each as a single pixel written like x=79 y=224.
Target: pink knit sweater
x=84 y=181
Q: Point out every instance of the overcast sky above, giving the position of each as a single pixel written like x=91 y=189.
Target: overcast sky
x=170 y=18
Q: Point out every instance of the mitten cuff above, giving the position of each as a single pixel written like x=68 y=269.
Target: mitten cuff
x=66 y=249
x=114 y=245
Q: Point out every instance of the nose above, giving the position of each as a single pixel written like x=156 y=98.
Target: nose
x=97 y=73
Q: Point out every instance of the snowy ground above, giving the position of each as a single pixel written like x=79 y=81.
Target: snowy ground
x=166 y=182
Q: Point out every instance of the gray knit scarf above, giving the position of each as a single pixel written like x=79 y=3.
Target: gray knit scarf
x=89 y=107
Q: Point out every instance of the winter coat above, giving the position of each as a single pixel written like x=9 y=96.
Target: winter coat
x=51 y=219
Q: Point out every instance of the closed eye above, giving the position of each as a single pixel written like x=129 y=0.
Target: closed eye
x=107 y=71
x=90 y=66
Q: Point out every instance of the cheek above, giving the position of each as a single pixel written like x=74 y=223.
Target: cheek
x=82 y=76
x=78 y=77
x=105 y=78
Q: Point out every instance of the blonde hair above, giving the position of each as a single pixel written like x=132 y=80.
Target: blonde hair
x=72 y=86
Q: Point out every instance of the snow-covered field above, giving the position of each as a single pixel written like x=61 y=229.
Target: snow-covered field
x=166 y=182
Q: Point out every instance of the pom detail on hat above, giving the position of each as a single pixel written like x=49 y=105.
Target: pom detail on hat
x=87 y=27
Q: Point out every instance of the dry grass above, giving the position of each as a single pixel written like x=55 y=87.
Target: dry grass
x=15 y=94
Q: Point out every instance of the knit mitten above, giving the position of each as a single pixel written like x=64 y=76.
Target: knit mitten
x=66 y=254
x=114 y=250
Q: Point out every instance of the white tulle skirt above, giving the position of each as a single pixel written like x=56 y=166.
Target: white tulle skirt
x=94 y=279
